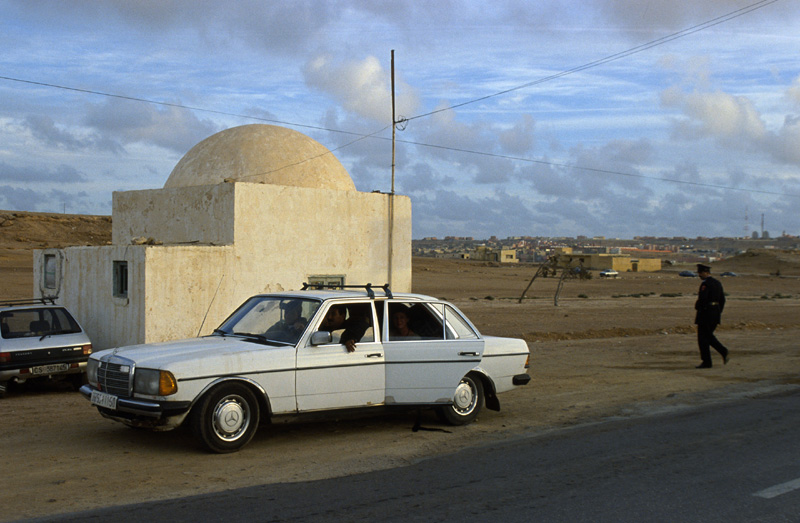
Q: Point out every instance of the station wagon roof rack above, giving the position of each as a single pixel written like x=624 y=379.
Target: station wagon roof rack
x=368 y=287
x=49 y=300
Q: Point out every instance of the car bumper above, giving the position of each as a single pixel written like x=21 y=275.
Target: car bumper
x=43 y=370
x=521 y=379
x=163 y=415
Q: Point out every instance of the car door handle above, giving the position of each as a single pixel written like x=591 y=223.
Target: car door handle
x=468 y=354
x=375 y=355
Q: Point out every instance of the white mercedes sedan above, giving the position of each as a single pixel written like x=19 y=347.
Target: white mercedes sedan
x=279 y=356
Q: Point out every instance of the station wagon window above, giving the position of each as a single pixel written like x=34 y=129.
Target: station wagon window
x=24 y=323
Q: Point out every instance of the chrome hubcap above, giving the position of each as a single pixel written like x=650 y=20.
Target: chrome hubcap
x=464 y=399
x=231 y=417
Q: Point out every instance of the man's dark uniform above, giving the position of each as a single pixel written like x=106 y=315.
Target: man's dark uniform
x=709 y=305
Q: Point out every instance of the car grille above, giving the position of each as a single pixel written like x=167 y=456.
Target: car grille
x=114 y=377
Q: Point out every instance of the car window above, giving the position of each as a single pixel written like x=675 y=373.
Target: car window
x=410 y=321
x=22 y=323
x=352 y=320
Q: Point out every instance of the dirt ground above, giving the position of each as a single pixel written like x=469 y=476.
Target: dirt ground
x=611 y=348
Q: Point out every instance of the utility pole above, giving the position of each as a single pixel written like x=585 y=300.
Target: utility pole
x=394 y=123
x=391 y=195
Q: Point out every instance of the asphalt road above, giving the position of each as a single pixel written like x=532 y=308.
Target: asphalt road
x=737 y=460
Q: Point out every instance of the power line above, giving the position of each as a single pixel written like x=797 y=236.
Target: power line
x=613 y=57
x=178 y=106
x=597 y=170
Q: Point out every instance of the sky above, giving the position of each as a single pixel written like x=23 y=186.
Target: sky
x=615 y=118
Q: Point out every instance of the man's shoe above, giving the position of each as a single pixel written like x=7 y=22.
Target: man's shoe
x=703 y=366
x=726 y=358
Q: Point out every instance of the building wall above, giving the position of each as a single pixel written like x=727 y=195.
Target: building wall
x=303 y=232
x=86 y=289
x=187 y=287
x=193 y=215
x=620 y=263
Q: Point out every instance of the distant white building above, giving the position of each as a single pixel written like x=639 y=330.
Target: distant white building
x=251 y=209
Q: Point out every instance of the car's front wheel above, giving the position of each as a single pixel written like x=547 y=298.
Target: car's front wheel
x=467 y=402
x=226 y=418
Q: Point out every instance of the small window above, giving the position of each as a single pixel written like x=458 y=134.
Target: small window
x=50 y=271
x=326 y=280
x=120 y=279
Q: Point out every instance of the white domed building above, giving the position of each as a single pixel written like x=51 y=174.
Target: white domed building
x=251 y=209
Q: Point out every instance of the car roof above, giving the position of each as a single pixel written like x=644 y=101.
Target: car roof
x=325 y=295
x=29 y=304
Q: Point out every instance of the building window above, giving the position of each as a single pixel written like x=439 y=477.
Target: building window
x=327 y=281
x=120 y=279
x=49 y=271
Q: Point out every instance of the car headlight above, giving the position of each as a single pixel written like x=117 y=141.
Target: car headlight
x=91 y=371
x=154 y=382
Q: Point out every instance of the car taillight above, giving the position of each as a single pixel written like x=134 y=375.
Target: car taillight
x=528 y=362
x=87 y=349
x=5 y=357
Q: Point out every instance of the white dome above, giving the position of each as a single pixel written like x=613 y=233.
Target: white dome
x=260 y=153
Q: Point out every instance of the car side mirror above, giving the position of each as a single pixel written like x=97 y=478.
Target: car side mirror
x=321 y=338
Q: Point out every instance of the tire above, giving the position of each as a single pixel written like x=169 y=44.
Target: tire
x=226 y=418
x=77 y=380
x=467 y=402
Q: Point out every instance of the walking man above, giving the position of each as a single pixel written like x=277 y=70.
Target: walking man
x=709 y=305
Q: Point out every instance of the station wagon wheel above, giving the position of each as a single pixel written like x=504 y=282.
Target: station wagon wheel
x=467 y=402
x=226 y=418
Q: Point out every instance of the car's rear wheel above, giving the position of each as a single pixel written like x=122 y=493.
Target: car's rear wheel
x=467 y=402
x=226 y=418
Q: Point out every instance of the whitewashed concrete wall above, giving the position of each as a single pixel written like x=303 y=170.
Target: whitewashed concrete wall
x=286 y=234
x=184 y=285
x=200 y=215
x=87 y=291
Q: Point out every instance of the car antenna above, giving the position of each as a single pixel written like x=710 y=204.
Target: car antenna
x=209 y=306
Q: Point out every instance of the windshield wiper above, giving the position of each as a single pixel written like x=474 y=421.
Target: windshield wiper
x=259 y=338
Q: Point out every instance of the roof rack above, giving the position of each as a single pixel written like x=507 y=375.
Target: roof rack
x=48 y=300
x=368 y=287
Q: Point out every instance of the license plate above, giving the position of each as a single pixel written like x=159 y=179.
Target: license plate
x=101 y=399
x=49 y=369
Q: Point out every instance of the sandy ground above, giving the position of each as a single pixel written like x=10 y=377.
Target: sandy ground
x=610 y=348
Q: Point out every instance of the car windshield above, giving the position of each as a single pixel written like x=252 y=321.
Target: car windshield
x=271 y=318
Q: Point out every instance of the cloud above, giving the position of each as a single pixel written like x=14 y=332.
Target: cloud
x=60 y=174
x=447 y=213
x=14 y=198
x=721 y=116
x=124 y=122
x=362 y=87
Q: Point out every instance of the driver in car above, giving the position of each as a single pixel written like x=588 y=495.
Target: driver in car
x=292 y=325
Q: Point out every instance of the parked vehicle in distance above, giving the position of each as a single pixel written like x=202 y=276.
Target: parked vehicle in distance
x=279 y=356
x=39 y=339
x=609 y=273
x=688 y=274
x=729 y=273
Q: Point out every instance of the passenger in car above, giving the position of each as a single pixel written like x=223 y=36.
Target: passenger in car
x=354 y=327
x=400 y=326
